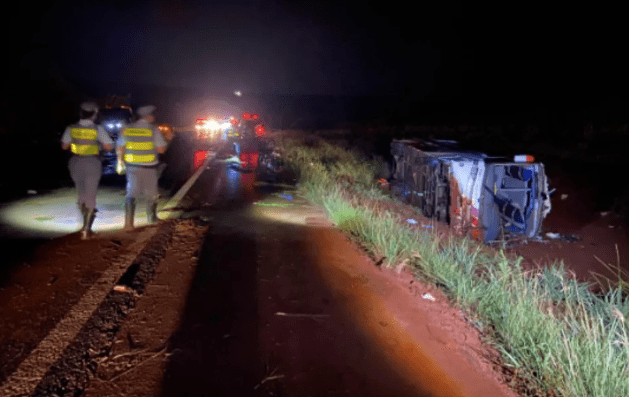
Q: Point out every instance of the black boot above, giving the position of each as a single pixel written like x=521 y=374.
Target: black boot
x=90 y=215
x=129 y=213
x=151 y=212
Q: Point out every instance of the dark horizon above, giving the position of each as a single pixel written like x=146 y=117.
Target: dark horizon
x=175 y=105
x=318 y=63
x=436 y=51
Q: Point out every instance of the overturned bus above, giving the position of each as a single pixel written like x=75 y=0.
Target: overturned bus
x=488 y=198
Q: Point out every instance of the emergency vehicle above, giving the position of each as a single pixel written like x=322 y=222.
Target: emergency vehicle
x=249 y=142
x=212 y=129
x=244 y=136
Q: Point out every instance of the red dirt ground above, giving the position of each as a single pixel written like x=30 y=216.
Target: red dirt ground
x=291 y=310
x=603 y=234
x=192 y=333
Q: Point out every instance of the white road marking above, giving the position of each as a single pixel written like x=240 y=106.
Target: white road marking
x=30 y=372
x=174 y=201
x=24 y=380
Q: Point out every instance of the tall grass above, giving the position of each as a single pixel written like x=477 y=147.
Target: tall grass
x=553 y=333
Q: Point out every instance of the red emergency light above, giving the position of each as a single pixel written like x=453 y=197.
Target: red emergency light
x=260 y=130
x=255 y=116
x=523 y=158
x=249 y=159
x=199 y=158
x=234 y=121
x=246 y=116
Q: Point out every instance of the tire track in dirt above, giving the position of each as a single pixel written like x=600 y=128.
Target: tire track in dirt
x=71 y=372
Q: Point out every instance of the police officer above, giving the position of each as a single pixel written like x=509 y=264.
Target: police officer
x=138 y=148
x=83 y=139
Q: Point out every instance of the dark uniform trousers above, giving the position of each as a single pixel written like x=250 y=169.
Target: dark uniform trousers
x=142 y=182
x=86 y=172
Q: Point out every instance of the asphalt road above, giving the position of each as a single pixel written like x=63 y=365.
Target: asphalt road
x=45 y=269
x=39 y=205
x=254 y=294
x=254 y=311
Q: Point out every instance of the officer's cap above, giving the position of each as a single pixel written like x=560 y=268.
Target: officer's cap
x=145 y=110
x=89 y=107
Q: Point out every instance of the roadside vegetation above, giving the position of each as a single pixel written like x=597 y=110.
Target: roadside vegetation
x=555 y=335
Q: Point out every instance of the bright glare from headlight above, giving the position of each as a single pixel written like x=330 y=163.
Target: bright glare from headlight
x=56 y=213
x=213 y=125
x=226 y=125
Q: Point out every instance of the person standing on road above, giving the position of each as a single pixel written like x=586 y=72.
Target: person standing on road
x=138 y=148
x=83 y=139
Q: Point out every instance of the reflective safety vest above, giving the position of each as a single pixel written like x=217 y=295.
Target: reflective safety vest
x=84 y=141
x=139 y=148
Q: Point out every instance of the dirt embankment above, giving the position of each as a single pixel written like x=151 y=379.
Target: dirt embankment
x=589 y=203
x=582 y=156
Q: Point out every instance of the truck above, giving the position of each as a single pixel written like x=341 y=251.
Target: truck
x=484 y=197
x=253 y=152
x=249 y=142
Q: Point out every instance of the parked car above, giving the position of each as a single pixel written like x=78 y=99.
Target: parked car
x=114 y=120
x=167 y=131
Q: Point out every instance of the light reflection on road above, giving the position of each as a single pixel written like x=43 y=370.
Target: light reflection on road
x=228 y=186
x=55 y=213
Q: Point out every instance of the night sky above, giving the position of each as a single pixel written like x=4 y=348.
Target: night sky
x=264 y=46
x=430 y=51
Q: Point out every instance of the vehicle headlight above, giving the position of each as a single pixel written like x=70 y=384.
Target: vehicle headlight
x=213 y=125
